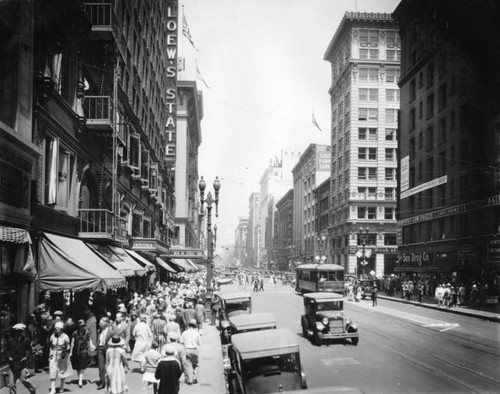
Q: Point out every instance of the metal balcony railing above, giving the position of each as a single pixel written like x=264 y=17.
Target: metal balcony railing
x=99 y=14
x=98 y=111
x=98 y=223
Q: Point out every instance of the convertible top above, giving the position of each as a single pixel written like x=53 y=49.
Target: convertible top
x=265 y=343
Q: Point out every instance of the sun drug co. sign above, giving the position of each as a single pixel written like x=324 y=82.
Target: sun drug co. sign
x=171 y=80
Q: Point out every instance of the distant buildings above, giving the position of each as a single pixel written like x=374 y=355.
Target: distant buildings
x=365 y=54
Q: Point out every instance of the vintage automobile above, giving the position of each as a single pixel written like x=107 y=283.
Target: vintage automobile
x=246 y=323
x=266 y=362
x=232 y=304
x=324 y=319
x=366 y=287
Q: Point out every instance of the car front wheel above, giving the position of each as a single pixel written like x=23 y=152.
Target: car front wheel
x=317 y=338
x=355 y=341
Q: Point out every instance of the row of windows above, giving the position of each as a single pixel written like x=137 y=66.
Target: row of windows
x=371 y=173
x=371 y=154
x=374 y=54
x=371 y=114
x=371 y=36
x=371 y=95
x=370 y=213
x=371 y=74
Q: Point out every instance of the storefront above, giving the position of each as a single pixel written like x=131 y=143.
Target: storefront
x=17 y=274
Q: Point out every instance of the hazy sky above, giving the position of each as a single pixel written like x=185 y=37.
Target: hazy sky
x=263 y=61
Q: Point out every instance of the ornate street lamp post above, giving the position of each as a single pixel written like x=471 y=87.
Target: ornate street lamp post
x=209 y=201
x=363 y=236
x=321 y=258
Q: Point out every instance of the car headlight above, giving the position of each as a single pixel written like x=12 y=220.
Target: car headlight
x=325 y=321
x=347 y=321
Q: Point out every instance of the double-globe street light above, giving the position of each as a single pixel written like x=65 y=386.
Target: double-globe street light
x=363 y=237
x=321 y=258
x=209 y=201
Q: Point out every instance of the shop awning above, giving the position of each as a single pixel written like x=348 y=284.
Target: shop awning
x=162 y=263
x=138 y=269
x=192 y=264
x=13 y=234
x=104 y=252
x=183 y=264
x=67 y=263
x=141 y=260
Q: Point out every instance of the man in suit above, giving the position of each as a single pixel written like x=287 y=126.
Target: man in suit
x=105 y=333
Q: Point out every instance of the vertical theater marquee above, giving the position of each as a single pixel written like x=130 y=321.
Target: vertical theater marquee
x=171 y=94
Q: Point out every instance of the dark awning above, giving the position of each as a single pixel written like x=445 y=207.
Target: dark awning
x=68 y=263
x=162 y=263
x=141 y=260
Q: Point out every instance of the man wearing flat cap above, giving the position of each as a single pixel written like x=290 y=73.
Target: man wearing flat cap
x=18 y=352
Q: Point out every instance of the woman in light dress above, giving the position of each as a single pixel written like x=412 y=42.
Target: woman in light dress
x=59 y=364
x=143 y=337
x=116 y=364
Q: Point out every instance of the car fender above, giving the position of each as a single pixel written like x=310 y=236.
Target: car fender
x=353 y=327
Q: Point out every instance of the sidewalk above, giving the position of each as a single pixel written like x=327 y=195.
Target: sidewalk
x=211 y=378
x=486 y=312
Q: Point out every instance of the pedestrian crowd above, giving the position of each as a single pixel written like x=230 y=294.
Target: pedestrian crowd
x=160 y=330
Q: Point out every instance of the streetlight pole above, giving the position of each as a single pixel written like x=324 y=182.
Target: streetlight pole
x=363 y=236
x=209 y=201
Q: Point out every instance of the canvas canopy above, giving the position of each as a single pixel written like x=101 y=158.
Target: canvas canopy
x=162 y=263
x=67 y=263
x=141 y=260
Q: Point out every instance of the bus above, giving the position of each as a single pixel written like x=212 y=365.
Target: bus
x=319 y=278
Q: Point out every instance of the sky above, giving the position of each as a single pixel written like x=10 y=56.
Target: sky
x=262 y=75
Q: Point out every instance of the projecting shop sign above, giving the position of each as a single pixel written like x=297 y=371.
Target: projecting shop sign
x=405 y=177
x=425 y=186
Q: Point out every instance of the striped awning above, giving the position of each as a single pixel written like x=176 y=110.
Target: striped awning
x=16 y=235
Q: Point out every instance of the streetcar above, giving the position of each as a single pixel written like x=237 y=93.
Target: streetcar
x=319 y=278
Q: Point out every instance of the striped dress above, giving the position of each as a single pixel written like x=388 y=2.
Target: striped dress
x=115 y=370
x=158 y=326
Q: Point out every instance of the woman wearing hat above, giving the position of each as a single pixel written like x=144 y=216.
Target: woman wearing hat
x=59 y=364
x=116 y=363
x=80 y=350
x=143 y=338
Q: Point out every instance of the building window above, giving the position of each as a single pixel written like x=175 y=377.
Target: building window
x=368 y=37
x=392 y=37
x=365 y=173
x=390 y=193
x=412 y=119
x=442 y=130
x=389 y=213
x=368 y=74
x=365 y=54
x=361 y=212
x=390 y=135
x=430 y=106
x=452 y=156
x=430 y=75
x=420 y=170
x=412 y=90
x=430 y=168
x=392 y=75
x=430 y=137
x=393 y=54
x=368 y=95
x=442 y=163
x=390 y=154
x=390 y=174
x=391 y=115
x=372 y=174
x=372 y=213
x=59 y=168
x=442 y=97
x=392 y=95
x=412 y=148
x=367 y=114
x=420 y=109
x=390 y=239
x=367 y=133
x=420 y=79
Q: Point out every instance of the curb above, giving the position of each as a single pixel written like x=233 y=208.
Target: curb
x=489 y=316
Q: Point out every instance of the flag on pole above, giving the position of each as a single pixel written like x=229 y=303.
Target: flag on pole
x=314 y=122
x=186 y=32
x=200 y=77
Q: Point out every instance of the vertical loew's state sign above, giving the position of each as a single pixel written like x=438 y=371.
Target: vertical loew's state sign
x=171 y=80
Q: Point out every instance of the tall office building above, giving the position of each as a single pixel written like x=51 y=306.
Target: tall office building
x=364 y=54
x=253 y=237
x=312 y=169
x=449 y=140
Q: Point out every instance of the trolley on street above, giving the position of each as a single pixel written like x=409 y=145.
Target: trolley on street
x=319 y=278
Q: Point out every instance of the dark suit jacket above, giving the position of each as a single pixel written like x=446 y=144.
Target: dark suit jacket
x=168 y=372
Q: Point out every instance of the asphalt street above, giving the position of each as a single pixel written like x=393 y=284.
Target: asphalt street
x=402 y=348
